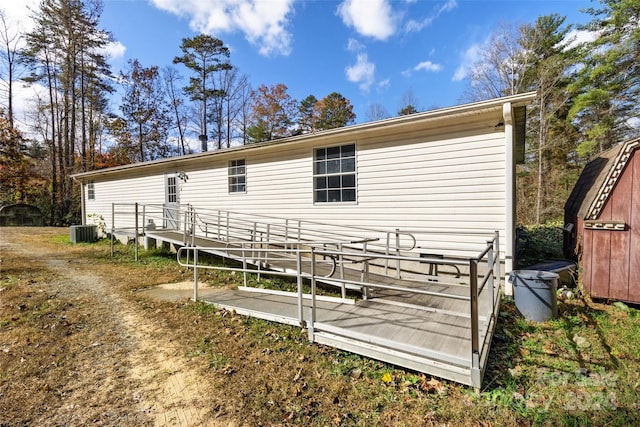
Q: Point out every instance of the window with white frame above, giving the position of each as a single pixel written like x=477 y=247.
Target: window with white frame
x=237 y=176
x=91 y=191
x=172 y=189
x=334 y=174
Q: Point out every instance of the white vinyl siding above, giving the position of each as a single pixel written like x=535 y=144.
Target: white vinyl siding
x=444 y=184
x=143 y=190
x=455 y=185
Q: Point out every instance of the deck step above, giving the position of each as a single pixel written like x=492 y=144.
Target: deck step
x=425 y=365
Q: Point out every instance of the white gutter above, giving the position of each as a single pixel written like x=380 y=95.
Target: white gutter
x=510 y=194
x=83 y=208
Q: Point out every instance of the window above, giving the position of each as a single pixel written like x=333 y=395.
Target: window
x=91 y=191
x=172 y=189
x=334 y=174
x=237 y=176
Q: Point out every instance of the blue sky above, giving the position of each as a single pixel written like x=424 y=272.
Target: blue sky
x=370 y=51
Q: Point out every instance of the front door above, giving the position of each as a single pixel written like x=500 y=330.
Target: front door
x=172 y=202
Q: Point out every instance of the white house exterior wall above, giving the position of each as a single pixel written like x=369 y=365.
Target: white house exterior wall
x=441 y=175
x=143 y=190
x=434 y=184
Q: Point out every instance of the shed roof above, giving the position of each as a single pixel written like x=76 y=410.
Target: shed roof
x=441 y=116
x=598 y=179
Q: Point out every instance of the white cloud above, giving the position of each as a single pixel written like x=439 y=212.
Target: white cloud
x=423 y=66
x=363 y=72
x=469 y=57
x=414 y=26
x=354 y=45
x=17 y=13
x=370 y=18
x=263 y=22
x=428 y=66
x=114 y=50
x=384 y=84
x=575 y=38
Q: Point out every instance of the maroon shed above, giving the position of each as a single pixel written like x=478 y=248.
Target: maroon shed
x=602 y=224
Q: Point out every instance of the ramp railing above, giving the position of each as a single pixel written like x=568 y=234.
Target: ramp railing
x=315 y=262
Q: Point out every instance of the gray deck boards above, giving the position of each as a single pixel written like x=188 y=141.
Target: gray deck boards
x=389 y=319
x=440 y=332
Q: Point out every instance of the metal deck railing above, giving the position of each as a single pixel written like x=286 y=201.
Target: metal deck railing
x=377 y=263
x=315 y=263
x=139 y=219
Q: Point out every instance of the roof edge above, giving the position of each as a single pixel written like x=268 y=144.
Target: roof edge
x=438 y=114
x=609 y=183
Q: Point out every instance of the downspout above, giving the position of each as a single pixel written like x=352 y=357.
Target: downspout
x=510 y=195
x=83 y=208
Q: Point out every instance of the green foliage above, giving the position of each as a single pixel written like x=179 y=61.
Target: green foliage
x=205 y=56
x=407 y=109
x=537 y=243
x=334 y=110
x=142 y=132
x=607 y=88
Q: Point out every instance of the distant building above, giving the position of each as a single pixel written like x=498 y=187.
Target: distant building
x=20 y=214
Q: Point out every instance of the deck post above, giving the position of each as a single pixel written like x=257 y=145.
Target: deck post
x=491 y=271
x=398 y=253
x=475 y=338
x=192 y=212
x=497 y=254
x=343 y=290
x=244 y=266
x=299 y=274
x=312 y=314
x=113 y=225
x=135 y=238
x=195 y=274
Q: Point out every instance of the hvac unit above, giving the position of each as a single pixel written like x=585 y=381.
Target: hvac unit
x=83 y=233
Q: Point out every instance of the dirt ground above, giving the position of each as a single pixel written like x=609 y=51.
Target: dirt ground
x=90 y=339
x=125 y=370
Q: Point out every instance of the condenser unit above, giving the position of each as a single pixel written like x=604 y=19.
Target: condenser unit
x=83 y=233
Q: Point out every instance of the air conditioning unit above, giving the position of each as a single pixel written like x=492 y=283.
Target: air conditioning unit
x=83 y=233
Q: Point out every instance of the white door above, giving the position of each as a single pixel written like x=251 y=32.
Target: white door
x=172 y=202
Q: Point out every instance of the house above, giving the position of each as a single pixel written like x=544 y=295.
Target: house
x=446 y=176
x=602 y=223
x=416 y=212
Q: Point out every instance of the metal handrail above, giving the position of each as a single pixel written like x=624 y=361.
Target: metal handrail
x=226 y=222
x=479 y=350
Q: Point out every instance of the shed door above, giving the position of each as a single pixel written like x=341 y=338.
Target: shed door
x=172 y=202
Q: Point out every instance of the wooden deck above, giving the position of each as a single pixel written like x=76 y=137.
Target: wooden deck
x=426 y=333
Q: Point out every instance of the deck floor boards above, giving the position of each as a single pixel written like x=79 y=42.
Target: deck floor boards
x=436 y=324
x=441 y=332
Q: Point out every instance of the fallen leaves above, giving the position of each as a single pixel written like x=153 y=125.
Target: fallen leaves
x=433 y=386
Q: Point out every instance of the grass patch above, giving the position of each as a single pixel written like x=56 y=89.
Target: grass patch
x=582 y=368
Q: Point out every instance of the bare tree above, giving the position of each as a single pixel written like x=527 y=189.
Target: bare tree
x=377 y=112
x=500 y=69
x=11 y=40
x=171 y=78
x=408 y=103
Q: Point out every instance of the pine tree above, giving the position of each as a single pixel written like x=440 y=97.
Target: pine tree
x=204 y=55
x=608 y=88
